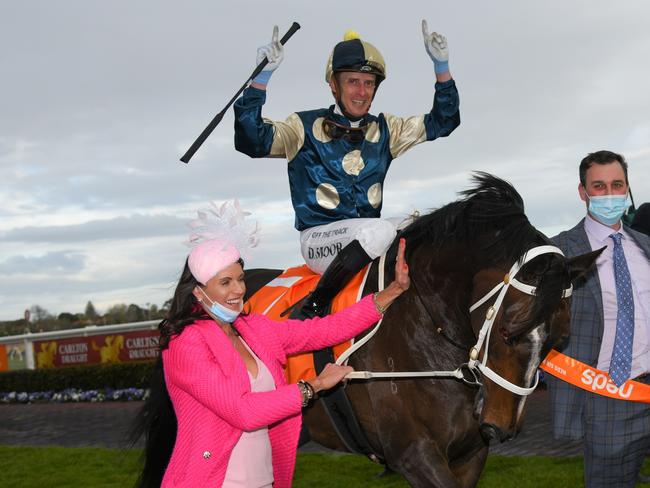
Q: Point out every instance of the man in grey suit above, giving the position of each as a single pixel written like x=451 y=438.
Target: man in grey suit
x=610 y=328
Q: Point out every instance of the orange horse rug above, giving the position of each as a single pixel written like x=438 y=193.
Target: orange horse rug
x=286 y=290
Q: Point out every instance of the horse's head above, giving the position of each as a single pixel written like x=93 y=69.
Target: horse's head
x=521 y=323
x=481 y=253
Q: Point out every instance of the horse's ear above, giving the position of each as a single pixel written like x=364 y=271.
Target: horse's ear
x=579 y=265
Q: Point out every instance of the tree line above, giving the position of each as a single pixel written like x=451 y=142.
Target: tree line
x=40 y=320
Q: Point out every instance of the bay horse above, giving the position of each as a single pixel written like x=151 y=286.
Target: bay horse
x=436 y=432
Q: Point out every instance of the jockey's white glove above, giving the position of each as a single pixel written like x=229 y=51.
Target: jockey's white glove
x=274 y=52
x=436 y=46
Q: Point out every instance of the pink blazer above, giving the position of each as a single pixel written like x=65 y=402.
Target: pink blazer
x=210 y=389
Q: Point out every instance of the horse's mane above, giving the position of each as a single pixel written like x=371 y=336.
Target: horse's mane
x=494 y=206
x=495 y=210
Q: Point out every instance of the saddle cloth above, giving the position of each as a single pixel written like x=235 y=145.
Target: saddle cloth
x=290 y=287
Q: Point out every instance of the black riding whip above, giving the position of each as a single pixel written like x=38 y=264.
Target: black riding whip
x=217 y=118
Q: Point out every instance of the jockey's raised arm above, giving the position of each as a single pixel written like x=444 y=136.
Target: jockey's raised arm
x=338 y=157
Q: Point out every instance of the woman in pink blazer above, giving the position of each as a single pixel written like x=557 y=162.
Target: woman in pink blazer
x=237 y=420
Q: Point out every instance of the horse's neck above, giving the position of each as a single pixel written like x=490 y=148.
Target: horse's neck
x=443 y=296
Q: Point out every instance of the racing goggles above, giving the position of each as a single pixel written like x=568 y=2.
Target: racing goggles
x=337 y=131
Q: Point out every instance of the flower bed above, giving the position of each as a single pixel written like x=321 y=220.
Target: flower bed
x=76 y=395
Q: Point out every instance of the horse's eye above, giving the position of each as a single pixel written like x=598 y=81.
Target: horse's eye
x=505 y=335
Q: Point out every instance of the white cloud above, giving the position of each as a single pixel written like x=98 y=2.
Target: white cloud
x=50 y=264
x=99 y=106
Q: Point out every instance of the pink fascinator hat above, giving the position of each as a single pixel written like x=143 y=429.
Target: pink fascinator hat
x=219 y=237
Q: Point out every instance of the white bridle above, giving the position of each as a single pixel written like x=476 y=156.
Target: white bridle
x=492 y=311
x=473 y=364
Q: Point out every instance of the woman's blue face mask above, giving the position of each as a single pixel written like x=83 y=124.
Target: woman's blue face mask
x=224 y=314
x=609 y=209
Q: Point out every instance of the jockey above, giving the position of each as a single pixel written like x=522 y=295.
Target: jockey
x=338 y=156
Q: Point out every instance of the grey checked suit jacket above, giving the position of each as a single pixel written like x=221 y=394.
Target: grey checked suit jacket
x=586 y=335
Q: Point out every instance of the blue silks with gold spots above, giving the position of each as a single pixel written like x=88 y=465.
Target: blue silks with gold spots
x=335 y=179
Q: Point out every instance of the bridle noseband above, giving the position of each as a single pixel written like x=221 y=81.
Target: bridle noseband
x=473 y=367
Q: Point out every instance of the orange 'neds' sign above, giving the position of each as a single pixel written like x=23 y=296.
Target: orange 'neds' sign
x=592 y=379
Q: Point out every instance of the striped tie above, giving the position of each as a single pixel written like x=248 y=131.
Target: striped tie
x=621 y=361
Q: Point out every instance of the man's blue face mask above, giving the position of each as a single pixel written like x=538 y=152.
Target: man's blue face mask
x=609 y=209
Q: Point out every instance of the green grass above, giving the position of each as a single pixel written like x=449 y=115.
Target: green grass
x=59 y=467
x=55 y=467
x=499 y=472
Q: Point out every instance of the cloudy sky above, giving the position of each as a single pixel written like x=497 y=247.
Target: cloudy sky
x=100 y=99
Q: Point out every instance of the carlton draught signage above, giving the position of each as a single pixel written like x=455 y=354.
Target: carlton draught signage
x=121 y=347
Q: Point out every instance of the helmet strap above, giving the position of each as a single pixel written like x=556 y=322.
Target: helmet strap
x=353 y=122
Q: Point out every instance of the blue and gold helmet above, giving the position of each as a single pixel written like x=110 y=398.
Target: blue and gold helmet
x=353 y=54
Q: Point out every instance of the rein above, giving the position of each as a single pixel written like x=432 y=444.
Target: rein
x=470 y=379
x=473 y=367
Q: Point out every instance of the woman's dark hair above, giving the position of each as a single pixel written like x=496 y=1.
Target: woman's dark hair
x=183 y=309
x=156 y=420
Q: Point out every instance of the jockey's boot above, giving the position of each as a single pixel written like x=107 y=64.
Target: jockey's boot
x=347 y=263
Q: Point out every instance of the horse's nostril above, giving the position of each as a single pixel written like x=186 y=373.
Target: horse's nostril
x=488 y=432
x=492 y=432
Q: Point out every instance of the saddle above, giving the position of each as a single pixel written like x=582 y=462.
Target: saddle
x=281 y=295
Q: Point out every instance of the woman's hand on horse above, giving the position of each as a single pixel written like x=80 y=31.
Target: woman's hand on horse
x=402 y=278
x=330 y=377
x=399 y=285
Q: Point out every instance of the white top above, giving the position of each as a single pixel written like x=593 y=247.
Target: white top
x=250 y=464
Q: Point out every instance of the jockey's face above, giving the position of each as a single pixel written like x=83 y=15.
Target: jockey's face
x=356 y=91
x=227 y=287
